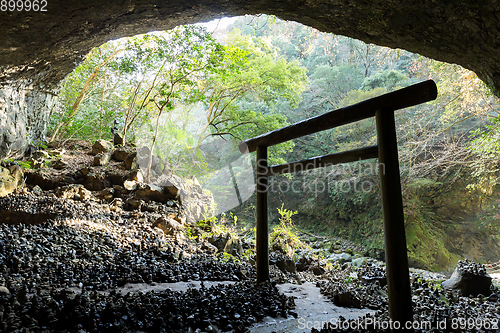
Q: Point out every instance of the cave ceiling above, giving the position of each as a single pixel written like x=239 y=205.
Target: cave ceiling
x=44 y=46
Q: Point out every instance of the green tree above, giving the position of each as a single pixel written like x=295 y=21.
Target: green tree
x=252 y=72
x=87 y=83
x=186 y=55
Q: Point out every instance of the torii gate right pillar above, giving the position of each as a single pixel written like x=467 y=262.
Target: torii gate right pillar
x=398 y=277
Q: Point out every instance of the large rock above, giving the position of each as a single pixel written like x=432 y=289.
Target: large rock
x=120 y=155
x=133 y=180
x=25 y=109
x=283 y=262
x=470 y=278
x=136 y=175
x=169 y=226
x=10 y=179
x=73 y=191
x=150 y=192
x=117 y=139
x=233 y=247
x=102 y=159
x=219 y=241
x=339 y=257
x=196 y=201
x=347 y=299
x=130 y=162
x=132 y=204
x=209 y=248
x=4 y=291
x=95 y=182
x=358 y=262
x=101 y=146
x=226 y=243
x=107 y=194
x=43 y=180
x=130 y=185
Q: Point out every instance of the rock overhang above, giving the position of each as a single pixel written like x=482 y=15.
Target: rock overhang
x=52 y=43
x=38 y=49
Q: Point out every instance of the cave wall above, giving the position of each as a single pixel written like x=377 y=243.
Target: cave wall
x=24 y=115
x=37 y=49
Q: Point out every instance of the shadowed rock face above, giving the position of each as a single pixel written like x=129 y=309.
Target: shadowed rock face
x=38 y=49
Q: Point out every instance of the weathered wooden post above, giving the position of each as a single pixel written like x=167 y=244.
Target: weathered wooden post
x=398 y=277
x=262 y=237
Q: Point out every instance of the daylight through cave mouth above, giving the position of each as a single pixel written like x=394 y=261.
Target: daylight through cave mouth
x=265 y=73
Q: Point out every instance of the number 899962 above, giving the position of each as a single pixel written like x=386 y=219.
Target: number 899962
x=23 y=5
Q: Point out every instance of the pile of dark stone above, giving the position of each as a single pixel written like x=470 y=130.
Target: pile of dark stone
x=94 y=249
x=440 y=309
x=366 y=292
x=470 y=278
x=220 y=307
x=62 y=273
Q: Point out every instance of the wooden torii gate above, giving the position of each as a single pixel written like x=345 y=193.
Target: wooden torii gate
x=382 y=107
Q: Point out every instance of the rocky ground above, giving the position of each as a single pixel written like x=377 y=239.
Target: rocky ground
x=79 y=234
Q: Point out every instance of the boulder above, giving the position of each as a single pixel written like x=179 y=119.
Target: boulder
x=346 y=299
x=340 y=258
x=470 y=278
x=207 y=247
x=16 y=173
x=133 y=204
x=130 y=162
x=73 y=191
x=173 y=185
x=4 y=172
x=317 y=269
x=233 y=247
x=114 y=178
x=94 y=182
x=101 y=146
x=169 y=226
x=120 y=155
x=150 y=192
x=10 y=179
x=36 y=190
x=303 y=264
x=136 y=175
x=196 y=201
x=219 y=241
x=43 y=180
x=4 y=291
x=86 y=170
x=286 y=264
x=282 y=261
x=102 y=159
x=130 y=185
x=107 y=194
x=358 y=262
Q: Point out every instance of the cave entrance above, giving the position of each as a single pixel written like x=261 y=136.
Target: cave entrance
x=382 y=108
